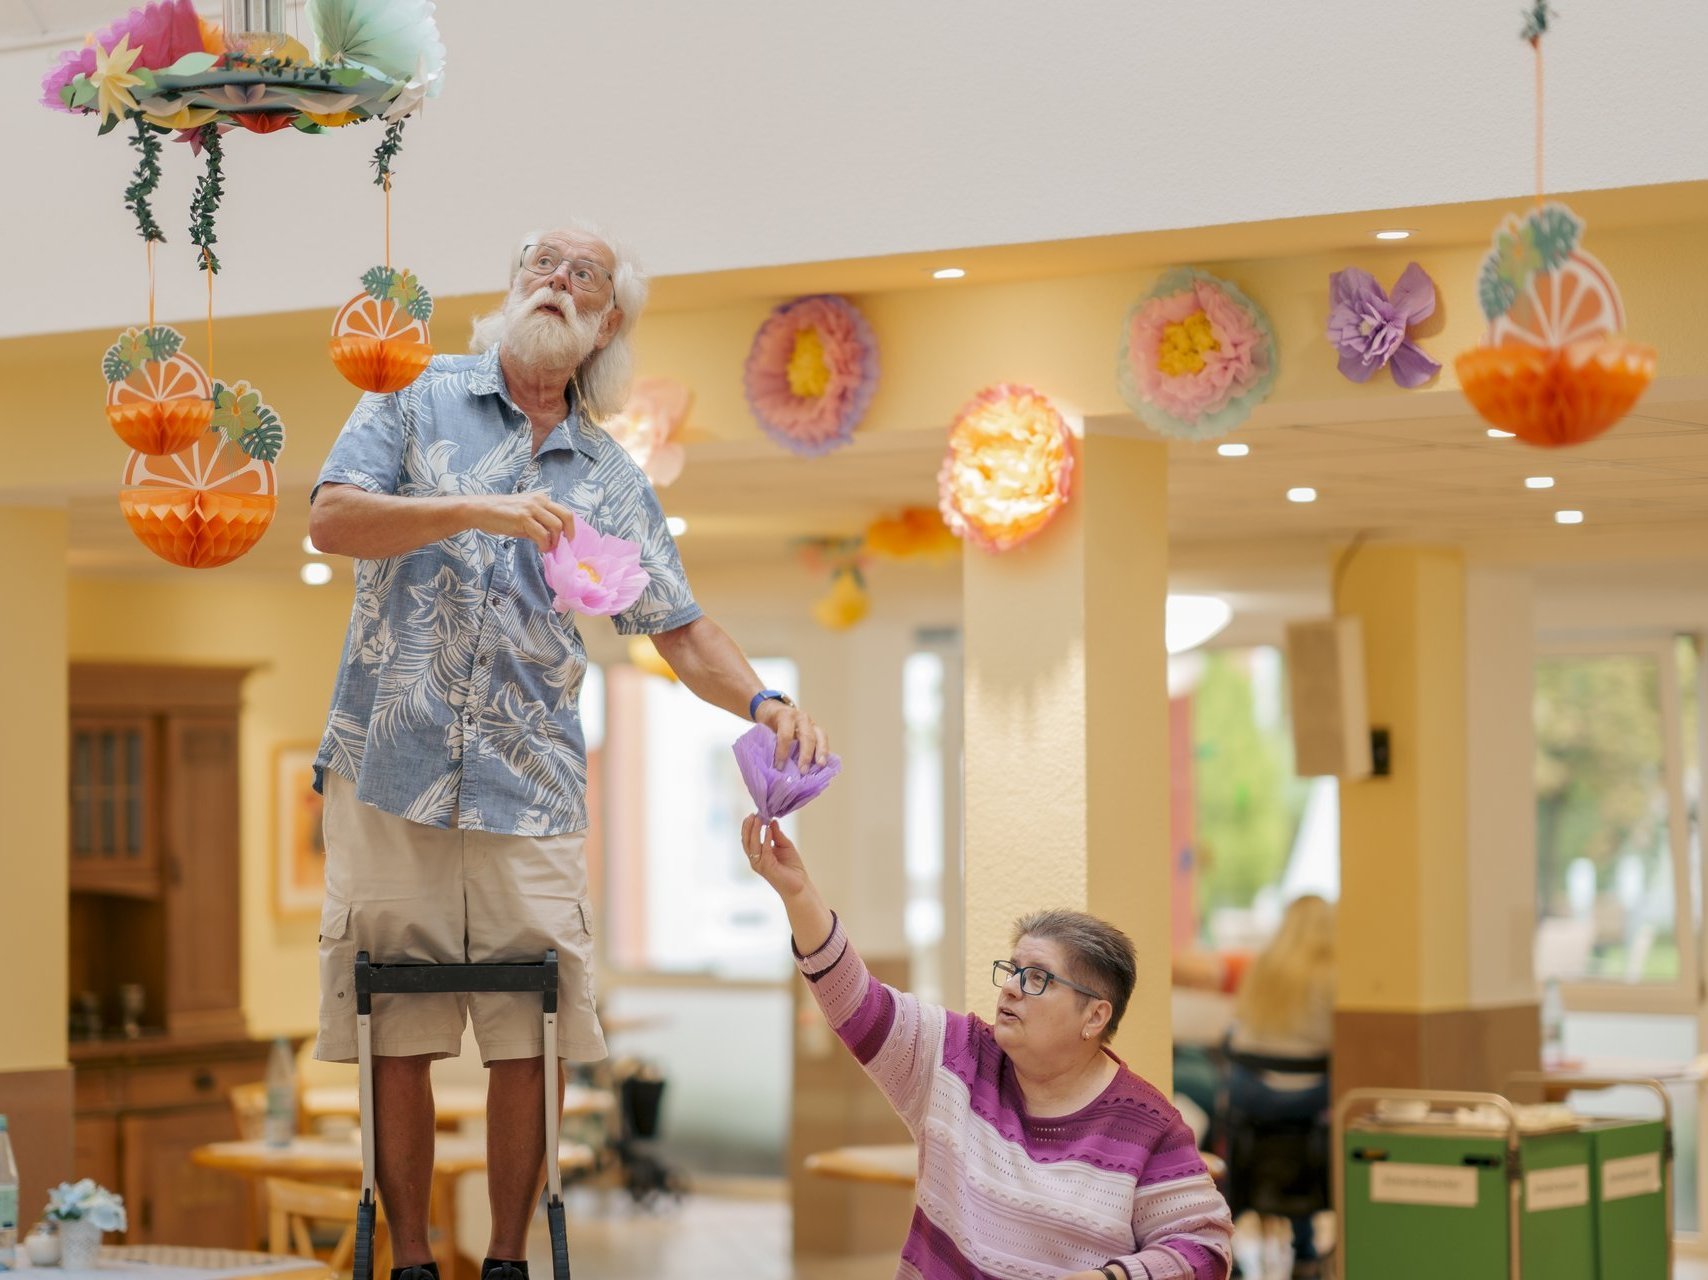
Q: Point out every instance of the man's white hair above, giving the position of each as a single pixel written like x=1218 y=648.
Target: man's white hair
x=603 y=378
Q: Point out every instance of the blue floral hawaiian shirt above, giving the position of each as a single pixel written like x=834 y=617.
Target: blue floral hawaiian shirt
x=456 y=698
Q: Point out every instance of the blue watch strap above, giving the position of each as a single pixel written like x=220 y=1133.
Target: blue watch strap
x=764 y=695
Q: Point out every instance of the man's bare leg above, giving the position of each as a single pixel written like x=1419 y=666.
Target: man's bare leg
x=403 y=1112
x=516 y=1150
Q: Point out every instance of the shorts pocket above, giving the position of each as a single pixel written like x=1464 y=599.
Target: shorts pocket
x=337 y=958
x=586 y=917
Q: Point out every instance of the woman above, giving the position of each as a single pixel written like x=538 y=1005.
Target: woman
x=1040 y=1154
x=1284 y=1016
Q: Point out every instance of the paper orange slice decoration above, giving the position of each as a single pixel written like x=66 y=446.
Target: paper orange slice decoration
x=379 y=338
x=158 y=399
x=206 y=505
x=1554 y=370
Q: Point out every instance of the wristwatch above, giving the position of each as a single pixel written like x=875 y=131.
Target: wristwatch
x=767 y=695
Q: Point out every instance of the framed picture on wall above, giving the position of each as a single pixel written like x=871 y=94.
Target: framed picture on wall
x=299 y=848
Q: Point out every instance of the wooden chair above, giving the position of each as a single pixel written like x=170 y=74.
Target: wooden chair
x=294 y=1208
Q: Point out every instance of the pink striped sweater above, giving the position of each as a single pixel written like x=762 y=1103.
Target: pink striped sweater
x=1001 y=1194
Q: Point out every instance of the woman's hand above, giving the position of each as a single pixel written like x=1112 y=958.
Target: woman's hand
x=774 y=857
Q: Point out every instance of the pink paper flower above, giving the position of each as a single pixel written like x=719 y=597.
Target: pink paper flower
x=165 y=31
x=649 y=425
x=1196 y=357
x=594 y=573
x=811 y=373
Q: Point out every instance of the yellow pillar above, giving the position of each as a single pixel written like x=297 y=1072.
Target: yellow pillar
x=35 y=1082
x=1423 y=1001
x=1067 y=731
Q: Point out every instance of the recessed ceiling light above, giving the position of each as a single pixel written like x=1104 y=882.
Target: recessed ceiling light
x=317 y=573
x=677 y=525
x=309 y=548
x=1233 y=450
x=1568 y=517
x=947 y=273
x=1538 y=482
x=1495 y=433
x=1394 y=234
x=1301 y=495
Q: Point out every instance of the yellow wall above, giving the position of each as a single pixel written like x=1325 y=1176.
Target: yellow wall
x=1404 y=875
x=292 y=634
x=32 y=789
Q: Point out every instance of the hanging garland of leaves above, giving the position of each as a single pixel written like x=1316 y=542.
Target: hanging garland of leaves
x=147 y=178
x=387 y=151
x=210 y=190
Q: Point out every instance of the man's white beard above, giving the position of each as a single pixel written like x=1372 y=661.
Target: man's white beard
x=541 y=340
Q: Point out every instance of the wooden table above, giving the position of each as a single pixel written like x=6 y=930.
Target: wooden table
x=452 y=1103
x=893 y=1164
x=184 y=1262
x=329 y=1160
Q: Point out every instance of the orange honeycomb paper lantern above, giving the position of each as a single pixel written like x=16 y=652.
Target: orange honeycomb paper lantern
x=158 y=399
x=210 y=503
x=379 y=338
x=1553 y=370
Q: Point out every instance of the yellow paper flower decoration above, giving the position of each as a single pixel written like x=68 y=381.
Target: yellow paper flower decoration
x=1009 y=467
x=917 y=533
x=113 y=80
x=845 y=604
x=645 y=655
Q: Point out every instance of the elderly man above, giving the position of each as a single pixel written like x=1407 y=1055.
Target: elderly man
x=453 y=763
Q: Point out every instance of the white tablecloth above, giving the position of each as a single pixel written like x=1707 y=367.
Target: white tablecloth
x=173 y=1262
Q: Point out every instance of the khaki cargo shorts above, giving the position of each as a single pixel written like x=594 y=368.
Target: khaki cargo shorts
x=408 y=893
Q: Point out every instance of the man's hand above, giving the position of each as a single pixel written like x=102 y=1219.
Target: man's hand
x=533 y=516
x=792 y=725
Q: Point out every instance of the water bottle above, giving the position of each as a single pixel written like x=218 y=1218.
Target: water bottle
x=280 y=1125
x=8 y=1201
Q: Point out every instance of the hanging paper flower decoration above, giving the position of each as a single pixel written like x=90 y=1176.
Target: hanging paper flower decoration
x=779 y=792
x=1008 y=469
x=593 y=573
x=158 y=399
x=379 y=338
x=644 y=655
x=845 y=604
x=208 y=504
x=811 y=373
x=1552 y=370
x=649 y=425
x=1197 y=356
x=1369 y=328
x=916 y=533
x=155 y=36
x=393 y=39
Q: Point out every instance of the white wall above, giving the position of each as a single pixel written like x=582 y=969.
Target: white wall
x=759 y=132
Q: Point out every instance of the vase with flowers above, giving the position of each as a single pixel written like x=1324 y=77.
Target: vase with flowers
x=83 y=1211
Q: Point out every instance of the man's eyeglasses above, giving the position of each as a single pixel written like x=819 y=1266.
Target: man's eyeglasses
x=585 y=275
x=1033 y=980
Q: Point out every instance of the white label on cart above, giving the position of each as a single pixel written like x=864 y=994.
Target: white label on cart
x=1631 y=1176
x=1565 y=1188
x=1423 y=1184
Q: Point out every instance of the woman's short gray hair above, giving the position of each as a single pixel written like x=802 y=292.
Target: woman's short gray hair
x=605 y=375
x=1099 y=955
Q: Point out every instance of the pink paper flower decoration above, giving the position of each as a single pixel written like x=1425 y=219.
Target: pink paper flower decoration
x=594 y=573
x=649 y=425
x=811 y=373
x=1197 y=356
x=165 y=31
x=1009 y=467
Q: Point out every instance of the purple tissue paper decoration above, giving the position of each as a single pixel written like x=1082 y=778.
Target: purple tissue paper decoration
x=1368 y=327
x=778 y=791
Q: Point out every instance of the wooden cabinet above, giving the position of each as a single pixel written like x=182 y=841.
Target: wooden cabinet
x=154 y=870
x=154 y=855
x=141 y=1110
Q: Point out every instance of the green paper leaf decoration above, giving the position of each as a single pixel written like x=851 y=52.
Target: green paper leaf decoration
x=114 y=366
x=145 y=81
x=191 y=64
x=108 y=125
x=1553 y=233
x=1494 y=293
x=407 y=292
x=377 y=282
x=163 y=342
x=267 y=439
x=82 y=92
